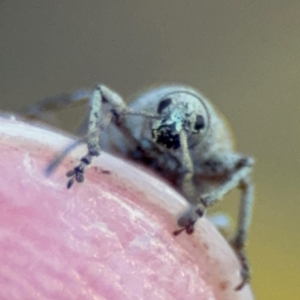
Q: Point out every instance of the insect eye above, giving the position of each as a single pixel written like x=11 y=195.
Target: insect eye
x=199 y=124
x=163 y=104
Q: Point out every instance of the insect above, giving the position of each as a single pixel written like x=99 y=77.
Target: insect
x=178 y=133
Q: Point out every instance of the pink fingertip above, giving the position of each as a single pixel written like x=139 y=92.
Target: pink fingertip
x=110 y=237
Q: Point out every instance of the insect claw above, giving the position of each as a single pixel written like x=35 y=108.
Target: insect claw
x=70 y=183
x=242 y=284
x=189 y=230
x=177 y=232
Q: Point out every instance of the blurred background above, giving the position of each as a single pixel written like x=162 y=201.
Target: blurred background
x=244 y=55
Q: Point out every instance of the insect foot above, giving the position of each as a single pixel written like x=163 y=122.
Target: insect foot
x=77 y=174
x=188 y=219
x=238 y=246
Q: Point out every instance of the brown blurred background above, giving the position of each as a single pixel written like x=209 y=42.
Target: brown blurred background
x=244 y=55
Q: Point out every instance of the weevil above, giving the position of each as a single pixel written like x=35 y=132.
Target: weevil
x=176 y=131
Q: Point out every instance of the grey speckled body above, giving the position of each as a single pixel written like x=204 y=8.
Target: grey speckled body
x=211 y=151
x=177 y=132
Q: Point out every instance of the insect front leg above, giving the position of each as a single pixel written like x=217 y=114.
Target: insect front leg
x=118 y=110
x=101 y=95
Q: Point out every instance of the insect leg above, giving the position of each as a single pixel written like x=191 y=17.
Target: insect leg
x=54 y=103
x=196 y=210
x=187 y=164
x=119 y=109
x=241 y=172
x=242 y=180
x=102 y=94
x=244 y=220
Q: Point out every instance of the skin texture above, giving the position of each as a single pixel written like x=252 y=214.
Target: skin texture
x=108 y=238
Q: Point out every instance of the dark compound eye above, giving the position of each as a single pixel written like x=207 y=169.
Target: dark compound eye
x=163 y=104
x=199 y=124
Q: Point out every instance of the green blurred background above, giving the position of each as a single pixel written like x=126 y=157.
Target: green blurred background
x=244 y=55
